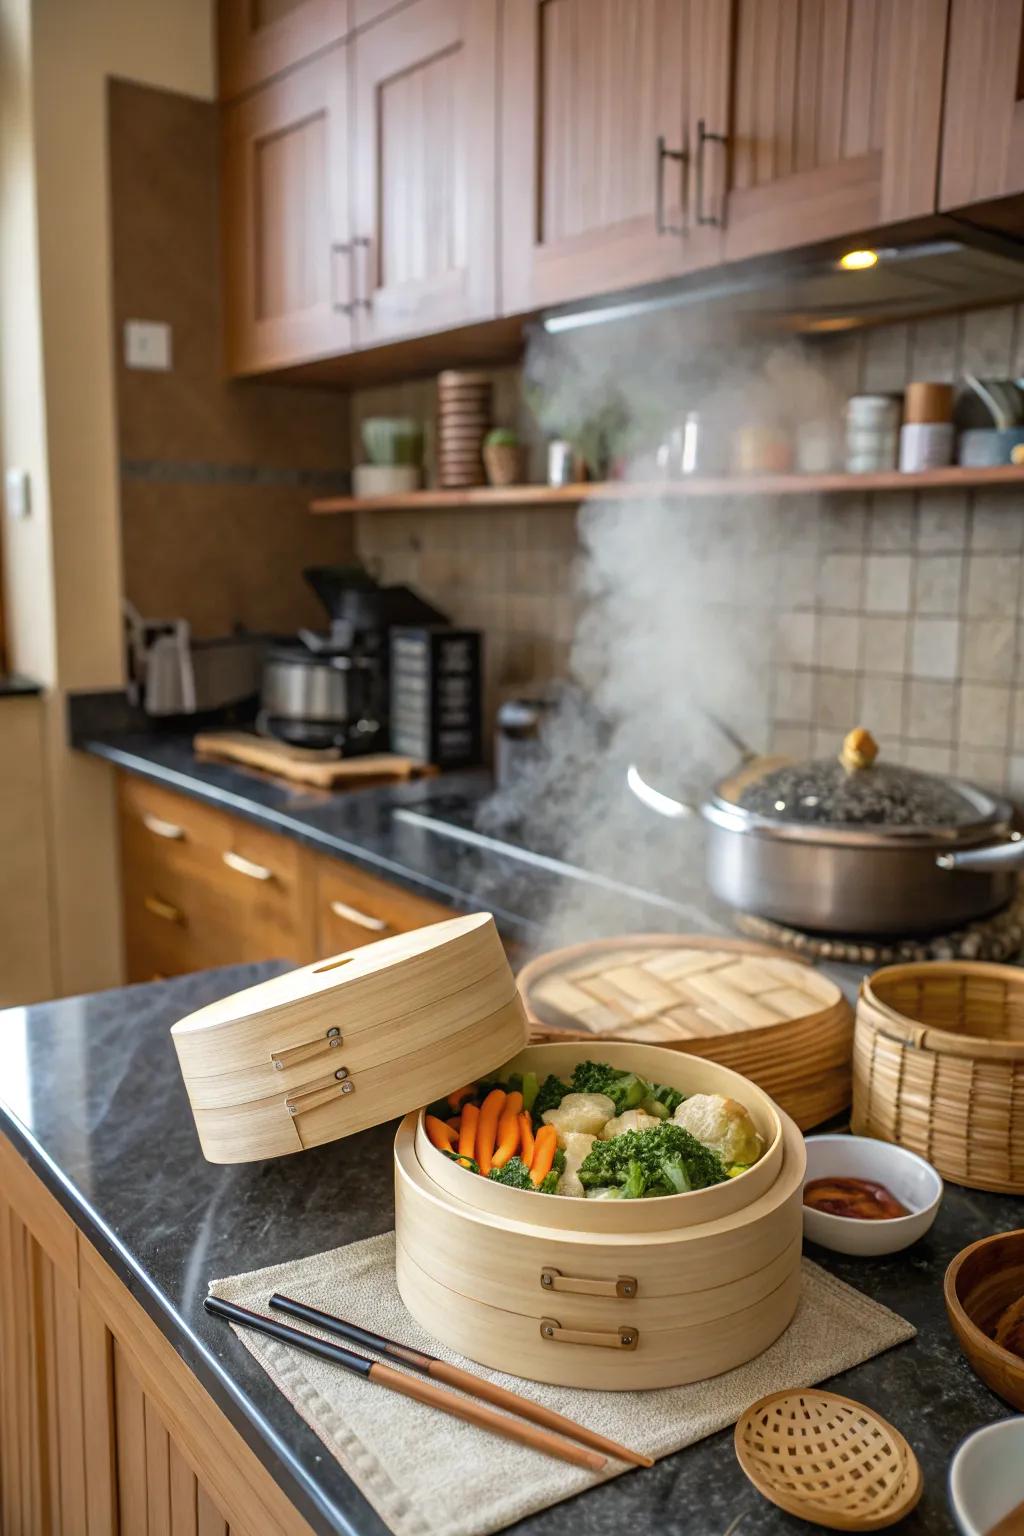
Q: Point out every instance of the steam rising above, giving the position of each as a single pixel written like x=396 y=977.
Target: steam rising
x=679 y=606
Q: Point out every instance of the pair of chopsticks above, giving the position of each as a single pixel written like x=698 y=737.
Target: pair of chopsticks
x=591 y=1452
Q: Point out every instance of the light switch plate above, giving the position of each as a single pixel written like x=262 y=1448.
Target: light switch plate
x=147 y=344
x=17 y=493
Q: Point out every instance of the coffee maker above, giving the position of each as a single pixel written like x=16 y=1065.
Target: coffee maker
x=330 y=689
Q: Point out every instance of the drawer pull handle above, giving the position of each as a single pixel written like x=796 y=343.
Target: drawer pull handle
x=625 y=1287
x=242 y=866
x=361 y=919
x=621 y=1338
x=164 y=909
x=161 y=828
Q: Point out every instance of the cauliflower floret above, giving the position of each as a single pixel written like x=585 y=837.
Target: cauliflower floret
x=722 y=1124
x=577 y=1144
x=585 y=1112
x=629 y=1120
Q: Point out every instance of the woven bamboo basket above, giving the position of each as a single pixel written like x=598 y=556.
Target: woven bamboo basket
x=938 y=1066
x=618 y=1294
x=773 y=1018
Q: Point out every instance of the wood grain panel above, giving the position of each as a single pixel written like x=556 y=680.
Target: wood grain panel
x=27 y=970
x=826 y=138
x=286 y=218
x=424 y=170
x=259 y=38
x=340 y=885
x=184 y=1490
x=588 y=86
x=99 y=1423
x=131 y=1445
x=69 y=1402
x=983 y=126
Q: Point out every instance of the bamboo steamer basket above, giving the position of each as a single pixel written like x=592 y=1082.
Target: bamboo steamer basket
x=615 y=1295
x=938 y=1067
x=349 y=1042
x=775 y=1019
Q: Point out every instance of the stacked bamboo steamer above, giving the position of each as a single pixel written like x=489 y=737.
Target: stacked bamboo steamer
x=463 y=419
x=350 y=1042
x=615 y=1295
x=775 y=1019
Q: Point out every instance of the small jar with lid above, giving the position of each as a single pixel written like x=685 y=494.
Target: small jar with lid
x=926 y=437
x=872 y=433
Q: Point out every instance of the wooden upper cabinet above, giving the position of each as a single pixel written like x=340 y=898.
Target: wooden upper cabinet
x=260 y=38
x=288 y=260
x=424 y=169
x=983 y=127
x=590 y=89
x=835 y=121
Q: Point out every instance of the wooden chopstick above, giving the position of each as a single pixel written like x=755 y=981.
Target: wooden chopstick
x=440 y=1370
x=409 y=1386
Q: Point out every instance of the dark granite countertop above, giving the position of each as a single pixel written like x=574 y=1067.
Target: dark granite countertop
x=15 y=685
x=97 y=1107
x=360 y=825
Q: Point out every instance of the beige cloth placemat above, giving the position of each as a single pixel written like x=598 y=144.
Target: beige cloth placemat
x=427 y=1474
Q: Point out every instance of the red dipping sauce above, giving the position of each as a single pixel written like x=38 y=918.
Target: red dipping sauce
x=859 y=1198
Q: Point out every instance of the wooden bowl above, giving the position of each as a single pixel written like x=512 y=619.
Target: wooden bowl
x=829 y=1460
x=980 y=1284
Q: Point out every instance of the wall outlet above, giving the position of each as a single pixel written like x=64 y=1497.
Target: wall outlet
x=17 y=493
x=147 y=344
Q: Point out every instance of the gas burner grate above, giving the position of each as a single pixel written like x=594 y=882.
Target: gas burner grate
x=997 y=937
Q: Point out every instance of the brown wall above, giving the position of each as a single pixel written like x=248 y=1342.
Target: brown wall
x=215 y=477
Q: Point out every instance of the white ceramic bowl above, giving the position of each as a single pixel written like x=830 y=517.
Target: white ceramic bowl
x=914 y=1182
x=986 y=1476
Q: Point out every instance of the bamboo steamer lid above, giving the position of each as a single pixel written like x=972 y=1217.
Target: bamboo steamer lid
x=349 y=1042
x=756 y=1009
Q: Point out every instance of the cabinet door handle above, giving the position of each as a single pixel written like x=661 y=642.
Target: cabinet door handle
x=683 y=159
x=361 y=919
x=161 y=828
x=242 y=866
x=340 y=248
x=703 y=138
x=363 y=301
x=163 y=909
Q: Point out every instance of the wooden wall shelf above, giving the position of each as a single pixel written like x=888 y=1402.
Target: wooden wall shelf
x=955 y=477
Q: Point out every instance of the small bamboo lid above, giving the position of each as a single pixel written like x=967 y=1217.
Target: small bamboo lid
x=927 y=402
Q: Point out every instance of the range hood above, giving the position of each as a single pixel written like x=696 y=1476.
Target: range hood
x=950 y=265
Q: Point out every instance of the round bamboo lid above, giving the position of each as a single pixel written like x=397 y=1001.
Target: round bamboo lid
x=749 y=1006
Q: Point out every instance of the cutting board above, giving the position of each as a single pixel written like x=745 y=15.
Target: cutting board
x=750 y=1007
x=320 y=770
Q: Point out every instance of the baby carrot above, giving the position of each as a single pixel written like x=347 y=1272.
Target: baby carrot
x=455 y=1100
x=508 y=1130
x=467 y=1131
x=487 y=1128
x=543 y=1154
x=441 y=1135
x=455 y=1121
x=526 y=1137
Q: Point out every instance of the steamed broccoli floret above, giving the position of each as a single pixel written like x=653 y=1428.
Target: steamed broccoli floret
x=515 y=1174
x=549 y=1095
x=670 y=1097
x=625 y=1089
x=549 y=1182
x=664 y=1161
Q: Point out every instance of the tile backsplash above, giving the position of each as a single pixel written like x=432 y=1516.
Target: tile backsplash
x=900 y=611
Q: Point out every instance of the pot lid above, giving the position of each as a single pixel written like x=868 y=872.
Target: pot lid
x=854 y=791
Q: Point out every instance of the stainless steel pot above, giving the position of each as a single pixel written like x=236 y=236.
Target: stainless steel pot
x=832 y=875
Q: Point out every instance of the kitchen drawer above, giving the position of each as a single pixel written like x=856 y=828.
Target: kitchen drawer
x=354 y=908
x=204 y=888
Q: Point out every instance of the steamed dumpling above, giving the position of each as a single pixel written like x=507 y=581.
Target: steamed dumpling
x=629 y=1120
x=586 y=1112
x=722 y=1124
x=577 y=1144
